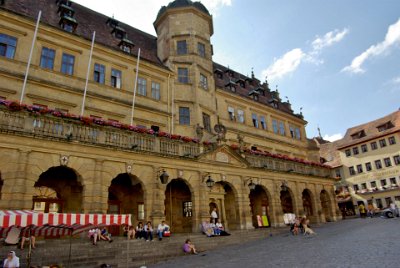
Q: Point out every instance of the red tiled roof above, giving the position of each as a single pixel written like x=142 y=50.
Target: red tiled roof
x=88 y=21
x=371 y=130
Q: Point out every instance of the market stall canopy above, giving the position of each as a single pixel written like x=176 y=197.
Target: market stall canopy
x=57 y=224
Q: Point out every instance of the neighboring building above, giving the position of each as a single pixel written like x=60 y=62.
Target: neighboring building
x=367 y=163
x=196 y=123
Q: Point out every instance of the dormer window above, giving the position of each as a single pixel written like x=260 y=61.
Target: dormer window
x=69 y=24
x=63 y=2
x=219 y=73
x=119 y=32
x=229 y=73
x=358 y=135
x=126 y=45
x=231 y=85
x=254 y=94
x=241 y=82
x=65 y=10
x=385 y=126
x=112 y=22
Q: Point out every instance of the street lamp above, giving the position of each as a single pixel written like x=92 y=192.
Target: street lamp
x=164 y=177
x=252 y=186
x=210 y=182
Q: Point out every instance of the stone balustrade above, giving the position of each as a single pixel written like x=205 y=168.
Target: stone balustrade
x=69 y=130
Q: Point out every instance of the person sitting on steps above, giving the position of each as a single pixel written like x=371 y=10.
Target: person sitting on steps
x=188 y=247
x=162 y=227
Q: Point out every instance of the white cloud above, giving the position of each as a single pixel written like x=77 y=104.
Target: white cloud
x=142 y=14
x=391 y=39
x=333 y=137
x=329 y=39
x=396 y=81
x=288 y=63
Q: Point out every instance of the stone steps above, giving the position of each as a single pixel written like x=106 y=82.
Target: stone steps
x=140 y=252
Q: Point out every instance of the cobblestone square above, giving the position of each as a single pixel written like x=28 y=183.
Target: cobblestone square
x=351 y=243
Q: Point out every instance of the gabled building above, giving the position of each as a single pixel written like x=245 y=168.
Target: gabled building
x=367 y=163
x=195 y=134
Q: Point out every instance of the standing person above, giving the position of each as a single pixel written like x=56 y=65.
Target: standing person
x=361 y=207
x=12 y=261
x=393 y=209
x=214 y=215
x=148 y=229
x=188 y=247
x=162 y=227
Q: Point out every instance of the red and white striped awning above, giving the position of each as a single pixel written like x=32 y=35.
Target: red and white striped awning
x=53 y=224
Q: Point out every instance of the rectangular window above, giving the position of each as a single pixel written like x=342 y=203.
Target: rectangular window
x=382 y=143
x=355 y=187
x=142 y=86
x=364 y=148
x=291 y=130
x=379 y=203
x=373 y=184
x=116 y=78
x=183 y=75
x=393 y=181
x=47 y=58
x=203 y=81
x=240 y=115
x=396 y=159
x=262 y=122
x=282 y=128
x=297 y=132
x=140 y=211
x=348 y=152
x=374 y=146
x=206 y=122
x=201 y=49
x=275 y=126
x=187 y=209
x=387 y=161
x=359 y=169
x=363 y=186
x=8 y=45
x=378 y=164
x=392 y=140
x=99 y=74
x=368 y=166
x=388 y=200
x=155 y=90
x=67 y=64
x=383 y=182
x=352 y=171
x=255 y=120
x=181 y=47
x=231 y=113
x=355 y=150
x=184 y=116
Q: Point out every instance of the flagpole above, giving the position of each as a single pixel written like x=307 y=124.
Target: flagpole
x=134 y=90
x=30 y=57
x=87 y=74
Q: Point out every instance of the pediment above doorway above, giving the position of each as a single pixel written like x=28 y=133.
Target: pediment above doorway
x=224 y=155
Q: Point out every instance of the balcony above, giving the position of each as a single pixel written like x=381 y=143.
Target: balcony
x=47 y=124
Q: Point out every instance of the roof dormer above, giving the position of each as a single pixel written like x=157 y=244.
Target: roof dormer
x=385 y=126
x=219 y=73
x=119 y=32
x=67 y=10
x=126 y=45
x=231 y=86
x=358 y=135
x=112 y=22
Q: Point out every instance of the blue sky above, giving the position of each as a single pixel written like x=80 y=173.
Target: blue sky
x=339 y=60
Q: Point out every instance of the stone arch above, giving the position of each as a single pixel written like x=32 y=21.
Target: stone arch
x=307 y=203
x=225 y=195
x=326 y=205
x=125 y=194
x=66 y=184
x=260 y=204
x=287 y=200
x=179 y=205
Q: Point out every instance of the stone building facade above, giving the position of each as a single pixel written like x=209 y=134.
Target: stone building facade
x=367 y=163
x=203 y=135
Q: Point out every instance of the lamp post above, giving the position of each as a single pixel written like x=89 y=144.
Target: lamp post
x=164 y=177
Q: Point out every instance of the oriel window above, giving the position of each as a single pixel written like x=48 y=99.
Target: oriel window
x=181 y=47
x=183 y=75
x=201 y=49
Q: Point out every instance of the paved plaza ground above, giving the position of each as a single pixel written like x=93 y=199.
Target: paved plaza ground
x=350 y=243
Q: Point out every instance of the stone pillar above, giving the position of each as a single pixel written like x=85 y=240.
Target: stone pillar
x=158 y=197
x=244 y=207
x=14 y=192
x=297 y=199
x=202 y=205
x=317 y=206
x=95 y=194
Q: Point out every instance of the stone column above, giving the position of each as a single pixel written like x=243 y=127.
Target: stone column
x=14 y=192
x=202 y=205
x=276 y=203
x=317 y=206
x=244 y=207
x=158 y=197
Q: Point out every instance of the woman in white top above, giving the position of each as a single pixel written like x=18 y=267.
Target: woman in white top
x=12 y=261
x=214 y=215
